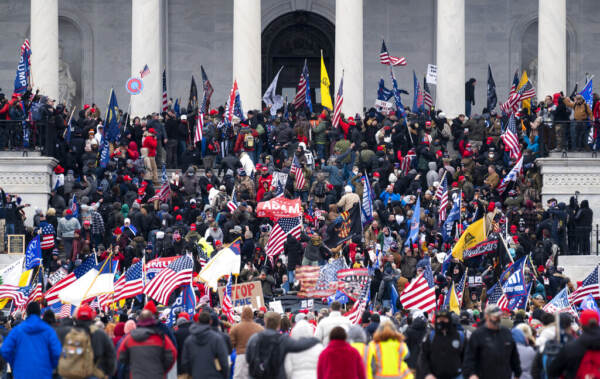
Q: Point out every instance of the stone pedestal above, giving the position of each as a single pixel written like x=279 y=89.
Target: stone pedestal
x=146 y=50
x=247 y=52
x=552 y=47
x=450 y=52
x=29 y=178
x=44 y=47
x=349 y=55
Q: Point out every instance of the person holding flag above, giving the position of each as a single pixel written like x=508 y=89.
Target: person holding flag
x=582 y=116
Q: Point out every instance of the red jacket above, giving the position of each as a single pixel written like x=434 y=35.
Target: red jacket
x=148 y=354
x=239 y=142
x=339 y=360
x=150 y=143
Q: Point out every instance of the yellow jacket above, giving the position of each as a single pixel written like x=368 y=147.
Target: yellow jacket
x=386 y=360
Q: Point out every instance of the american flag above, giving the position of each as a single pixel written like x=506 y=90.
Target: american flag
x=47 y=236
x=227 y=305
x=303 y=90
x=386 y=58
x=339 y=100
x=460 y=288
x=511 y=139
x=165 y=189
x=418 y=103
x=560 y=303
x=230 y=107
x=176 y=274
x=130 y=284
x=355 y=314
x=165 y=100
x=66 y=310
x=296 y=169
x=25 y=46
x=407 y=160
x=74 y=207
x=427 y=99
x=308 y=277
x=420 y=293
x=510 y=105
x=511 y=176
x=232 y=204
x=199 y=127
x=527 y=91
x=36 y=287
x=207 y=90
x=283 y=227
x=495 y=295
x=145 y=71
x=51 y=295
x=442 y=195
x=202 y=256
x=17 y=294
x=589 y=286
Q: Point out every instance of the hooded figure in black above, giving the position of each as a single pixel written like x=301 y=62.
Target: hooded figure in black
x=583 y=225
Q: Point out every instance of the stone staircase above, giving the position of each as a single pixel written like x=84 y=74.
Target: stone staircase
x=577 y=267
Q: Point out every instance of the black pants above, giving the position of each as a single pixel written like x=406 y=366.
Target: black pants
x=583 y=240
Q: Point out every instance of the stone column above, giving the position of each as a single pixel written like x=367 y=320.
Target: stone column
x=44 y=46
x=247 y=52
x=146 y=49
x=450 y=53
x=349 y=55
x=552 y=47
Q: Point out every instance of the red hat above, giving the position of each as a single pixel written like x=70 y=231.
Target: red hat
x=178 y=218
x=86 y=107
x=59 y=169
x=380 y=148
x=213 y=112
x=85 y=312
x=322 y=116
x=193 y=227
x=516 y=239
x=86 y=222
x=540 y=268
x=491 y=206
x=141 y=191
x=461 y=178
x=454 y=184
x=265 y=168
x=218 y=243
x=415 y=246
x=209 y=187
x=69 y=212
x=427 y=123
x=175 y=208
x=439 y=154
x=490 y=140
x=150 y=306
x=263 y=309
x=587 y=316
x=117 y=231
x=351 y=121
x=151 y=130
x=376 y=174
x=127 y=178
x=185 y=315
x=329 y=186
x=513 y=228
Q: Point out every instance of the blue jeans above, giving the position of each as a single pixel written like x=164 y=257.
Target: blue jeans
x=320 y=150
x=10 y=229
x=468 y=108
x=291 y=277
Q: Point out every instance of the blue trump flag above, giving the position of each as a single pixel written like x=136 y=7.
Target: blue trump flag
x=587 y=93
x=416 y=104
x=185 y=302
x=111 y=126
x=177 y=108
x=23 y=69
x=514 y=286
x=414 y=223
x=382 y=92
x=589 y=303
x=33 y=254
x=453 y=216
x=307 y=99
x=396 y=93
x=105 y=153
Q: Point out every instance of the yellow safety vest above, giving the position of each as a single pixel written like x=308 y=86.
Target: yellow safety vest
x=386 y=360
x=363 y=350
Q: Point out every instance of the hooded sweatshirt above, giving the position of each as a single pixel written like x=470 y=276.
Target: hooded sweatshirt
x=241 y=333
x=201 y=352
x=148 y=352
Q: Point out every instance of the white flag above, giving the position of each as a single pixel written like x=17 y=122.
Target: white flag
x=270 y=98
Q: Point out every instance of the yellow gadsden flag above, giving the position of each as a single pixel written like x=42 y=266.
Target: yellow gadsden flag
x=325 y=95
x=525 y=104
x=474 y=234
x=453 y=302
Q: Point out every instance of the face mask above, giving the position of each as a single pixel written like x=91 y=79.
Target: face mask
x=442 y=325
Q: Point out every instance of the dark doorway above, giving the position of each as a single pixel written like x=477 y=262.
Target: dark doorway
x=288 y=41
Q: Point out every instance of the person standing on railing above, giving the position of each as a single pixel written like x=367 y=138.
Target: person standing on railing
x=582 y=115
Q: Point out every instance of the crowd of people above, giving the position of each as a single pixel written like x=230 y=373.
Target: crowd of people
x=114 y=206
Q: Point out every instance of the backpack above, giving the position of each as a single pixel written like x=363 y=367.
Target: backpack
x=77 y=357
x=589 y=367
x=265 y=363
x=36 y=111
x=551 y=350
x=320 y=190
x=248 y=141
x=16 y=112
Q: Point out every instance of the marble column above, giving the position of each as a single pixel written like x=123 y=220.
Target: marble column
x=146 y=50
x=450 y=53
x=349 y=55
x=552 y=47
x=44 y=46
x=247 y=52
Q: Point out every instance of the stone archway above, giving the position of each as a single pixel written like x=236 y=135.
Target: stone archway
x=290 y=39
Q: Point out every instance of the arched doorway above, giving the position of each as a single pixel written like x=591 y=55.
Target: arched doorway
x=288 y=41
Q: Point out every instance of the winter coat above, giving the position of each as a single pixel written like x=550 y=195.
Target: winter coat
x=293 y=249
x=201 y=350
x=340 y=360
x=325 y=326
x=32 y=349
x=492 y=354
x=150 y=143
x=568 y=359
x=67 y=227
x=148 y=352
x=303 y=365
x=241 y=333
x=181 y=334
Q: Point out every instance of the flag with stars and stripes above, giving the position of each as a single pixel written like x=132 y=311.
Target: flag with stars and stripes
x=339 y=100
x=165 y=188
x=589 y=286
x=387 y=59
x=303 y=90
x=511 y=138
x=232 y=204
x=176 y=274
x=234 y=104
x=296 y=169
x=510 y=105
x=561 y=304
x=207 y=91
x=442 y=195
x=283 y=227
x=199 y=127
x=495 y=295
x=130 y=284
x=165 y=100
x=427 y=99
x=66 y=310
x=420 y=293
x=511 y=176
x=227 y=305
x=145 y=71
x=406 y=162
x=359 y=307
x=51 y=294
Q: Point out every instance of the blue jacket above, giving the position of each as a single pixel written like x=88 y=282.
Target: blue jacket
x=32 y=349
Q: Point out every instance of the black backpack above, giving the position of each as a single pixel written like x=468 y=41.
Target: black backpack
x=266 y=362
x=551 y=350
x=320 y=189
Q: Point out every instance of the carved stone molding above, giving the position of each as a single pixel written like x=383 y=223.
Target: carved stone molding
x=566 y=179
x=24 y=178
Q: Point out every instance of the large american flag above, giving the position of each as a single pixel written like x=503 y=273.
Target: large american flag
x=296 y=169
x=339 y=100
x=527 y=91
x=17 y=294
x=165 y=100
x=207 y=91
x=47 y=236
x=442 y=195
x=308 y=276
x=589 y=286
x=561 y=304
x=386 y=58
x=301 y=90
x=407 y=160
x=199 y=127
x=511 y=139
x=511 y=176
x=427 y=99
x=283 y=227
x=495 y=295
x=227 y=305
x=355 y=314
x=51 y=295
x=420 y=293
x=130 y=284
x=176 y=274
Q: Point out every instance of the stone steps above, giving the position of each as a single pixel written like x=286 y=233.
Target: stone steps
x=577 y=267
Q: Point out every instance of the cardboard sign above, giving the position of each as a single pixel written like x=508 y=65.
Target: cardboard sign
x=431 y=77
x=16 y=244
x=244 y=294
x=279 y=207
x=383 y=106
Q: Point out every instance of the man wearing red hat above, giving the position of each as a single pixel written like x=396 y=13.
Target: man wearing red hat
x=147 y=351
x=149 y=145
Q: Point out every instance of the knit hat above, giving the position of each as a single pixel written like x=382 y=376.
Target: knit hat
x=150 y=306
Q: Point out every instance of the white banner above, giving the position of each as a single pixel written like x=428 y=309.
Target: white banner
x=383 y=106
x=431 y=74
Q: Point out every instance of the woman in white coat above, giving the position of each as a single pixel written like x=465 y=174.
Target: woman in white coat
x=303 y=365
